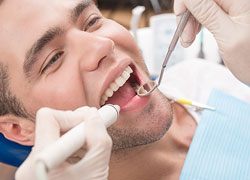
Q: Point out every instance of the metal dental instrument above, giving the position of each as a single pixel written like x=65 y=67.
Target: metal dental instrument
x=147 y=88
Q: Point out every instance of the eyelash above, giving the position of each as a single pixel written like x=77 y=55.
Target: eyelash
x=53 y=60
x=57 y=56
x=92 y=22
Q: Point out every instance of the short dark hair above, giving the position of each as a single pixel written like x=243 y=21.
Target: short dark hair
x=9 y=104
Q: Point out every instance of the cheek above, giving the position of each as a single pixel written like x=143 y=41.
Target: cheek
x=63 y=93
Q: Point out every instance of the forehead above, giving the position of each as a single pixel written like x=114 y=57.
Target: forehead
x=22 y=22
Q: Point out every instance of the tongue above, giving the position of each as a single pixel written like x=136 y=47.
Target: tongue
x=123 y=95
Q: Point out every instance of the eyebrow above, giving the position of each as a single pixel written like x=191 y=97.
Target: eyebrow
x=48 y=36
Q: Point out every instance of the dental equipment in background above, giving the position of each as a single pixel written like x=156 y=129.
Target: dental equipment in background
x=134 y=23
x=156 y=6
x=56 y=154
x=147 y=88
x=201 y=53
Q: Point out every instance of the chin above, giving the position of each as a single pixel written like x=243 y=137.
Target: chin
x=144 y=128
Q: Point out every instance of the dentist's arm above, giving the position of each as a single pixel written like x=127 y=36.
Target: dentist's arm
x=92 y=159
x=229 y=22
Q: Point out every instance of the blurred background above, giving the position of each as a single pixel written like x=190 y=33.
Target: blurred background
x=152 y=23
x=120 y=10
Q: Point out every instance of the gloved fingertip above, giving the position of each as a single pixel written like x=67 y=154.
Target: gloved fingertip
x=189 y=33
x=184 y=43
x=186 y=39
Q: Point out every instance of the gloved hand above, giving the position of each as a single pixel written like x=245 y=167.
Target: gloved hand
x=95 y=163
x=229 y=22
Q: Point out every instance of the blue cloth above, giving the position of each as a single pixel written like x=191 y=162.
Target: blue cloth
x=221 y=145
x=12 y=153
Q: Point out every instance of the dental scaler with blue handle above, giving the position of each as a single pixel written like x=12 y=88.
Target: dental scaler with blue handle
x=14 y=154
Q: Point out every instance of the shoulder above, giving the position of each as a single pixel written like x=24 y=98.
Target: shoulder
x=193 y=67
x=196 y=78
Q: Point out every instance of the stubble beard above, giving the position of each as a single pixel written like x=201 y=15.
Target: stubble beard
x=157 y=116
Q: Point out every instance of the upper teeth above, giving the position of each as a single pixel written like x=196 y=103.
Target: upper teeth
x=114 y=86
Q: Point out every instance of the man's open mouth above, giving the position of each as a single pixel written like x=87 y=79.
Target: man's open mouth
x=122 y=90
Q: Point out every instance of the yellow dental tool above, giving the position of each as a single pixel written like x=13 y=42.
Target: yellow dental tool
x=194 y=104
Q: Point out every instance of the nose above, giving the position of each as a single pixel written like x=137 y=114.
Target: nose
x=90 y=49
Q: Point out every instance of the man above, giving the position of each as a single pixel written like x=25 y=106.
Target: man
x=65 y=55
x=66 y=59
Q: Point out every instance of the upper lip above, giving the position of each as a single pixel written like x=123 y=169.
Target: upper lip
x=113 y=74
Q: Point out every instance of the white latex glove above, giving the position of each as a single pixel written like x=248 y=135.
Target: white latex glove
x=229 y=22
x=49 y=124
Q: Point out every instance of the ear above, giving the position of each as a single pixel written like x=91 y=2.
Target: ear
x=19 y=130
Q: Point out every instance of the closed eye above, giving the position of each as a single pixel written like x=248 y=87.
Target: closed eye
x=93 y=24
x=52 y=61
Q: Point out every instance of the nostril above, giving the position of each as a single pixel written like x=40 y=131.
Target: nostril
x=100 y=61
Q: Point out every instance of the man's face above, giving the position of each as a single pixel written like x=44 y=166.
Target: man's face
x=63 y=54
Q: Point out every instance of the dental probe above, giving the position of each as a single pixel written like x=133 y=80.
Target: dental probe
x=147 y=88
x=70 y=142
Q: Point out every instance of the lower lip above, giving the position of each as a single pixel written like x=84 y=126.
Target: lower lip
x=135 y=104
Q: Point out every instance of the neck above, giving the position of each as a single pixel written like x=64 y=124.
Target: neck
x=160 y=160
